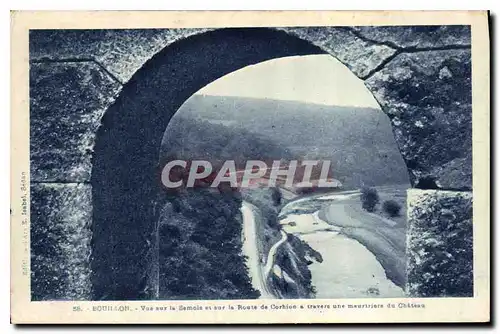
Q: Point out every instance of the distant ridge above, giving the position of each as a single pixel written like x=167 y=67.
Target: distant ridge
x=358 y=141
x=215 y=97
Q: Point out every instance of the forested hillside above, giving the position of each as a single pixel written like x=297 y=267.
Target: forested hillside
x=358 y=141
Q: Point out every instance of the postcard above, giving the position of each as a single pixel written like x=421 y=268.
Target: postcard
x=250 y=167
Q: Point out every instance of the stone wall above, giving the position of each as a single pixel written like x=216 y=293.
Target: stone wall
x=440 y=244
x=67 y=100
x=95 y=124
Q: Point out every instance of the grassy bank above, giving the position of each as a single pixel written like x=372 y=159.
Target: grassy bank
x=386 y=241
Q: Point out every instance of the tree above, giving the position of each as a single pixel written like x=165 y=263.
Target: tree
x=369 y=199
x=392 y=208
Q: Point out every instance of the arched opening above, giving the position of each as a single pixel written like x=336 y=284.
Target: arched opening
x=297 y=109
x=125 y=173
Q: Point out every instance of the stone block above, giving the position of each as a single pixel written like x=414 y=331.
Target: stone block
x=120 y=51
x=428 y=97
x=67 y=101
x=359 y=55
x=440 y=244
x=61 y=216
x=418 y=36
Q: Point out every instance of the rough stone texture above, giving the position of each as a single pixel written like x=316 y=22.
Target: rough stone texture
x=426 y=89
x=67 y=101
x=60 y=241
x=362 y=49
x=122 y=52
x=417 y=36
x=126 y=171
x=427 y=96
x=440 y=244
x=359 y=55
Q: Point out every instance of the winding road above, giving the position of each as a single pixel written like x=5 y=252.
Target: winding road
x=272 y=252
x=258 y=273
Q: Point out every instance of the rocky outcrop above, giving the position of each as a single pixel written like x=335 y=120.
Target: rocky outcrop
x=440 y=244
x=291 y=277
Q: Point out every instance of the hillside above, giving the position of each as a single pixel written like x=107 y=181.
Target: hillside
x=358 y=141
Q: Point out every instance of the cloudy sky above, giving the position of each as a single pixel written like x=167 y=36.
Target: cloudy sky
x=319 y=79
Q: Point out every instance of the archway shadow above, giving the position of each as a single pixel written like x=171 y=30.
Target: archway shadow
x=125 y=177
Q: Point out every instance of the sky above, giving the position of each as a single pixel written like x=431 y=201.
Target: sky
x=319 y=79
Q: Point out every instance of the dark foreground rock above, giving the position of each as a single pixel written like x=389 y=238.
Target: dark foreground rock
x=66 y=105
x=427 y=96
x=60 y=241
x=440 y=244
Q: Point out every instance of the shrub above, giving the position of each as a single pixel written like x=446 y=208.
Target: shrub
x=373 y=291
x=369 y=199
x=392 y=208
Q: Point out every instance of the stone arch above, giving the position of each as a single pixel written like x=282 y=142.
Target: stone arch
x=124 y=166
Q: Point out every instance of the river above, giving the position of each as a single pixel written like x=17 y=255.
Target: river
x=349 y=269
